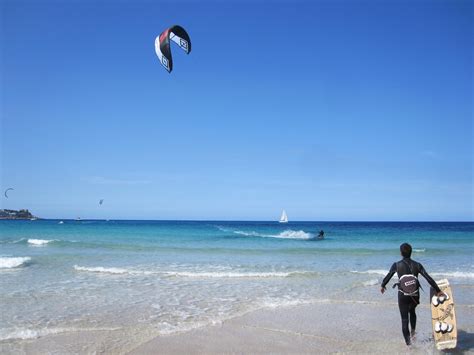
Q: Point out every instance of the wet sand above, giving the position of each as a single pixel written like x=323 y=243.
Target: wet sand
x=327 y=327
x=315 y=328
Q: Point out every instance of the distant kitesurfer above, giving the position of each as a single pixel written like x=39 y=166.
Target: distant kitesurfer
x=408 y=288
x=321 y=234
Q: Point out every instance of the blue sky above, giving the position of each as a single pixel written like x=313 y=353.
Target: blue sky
x=332 y=110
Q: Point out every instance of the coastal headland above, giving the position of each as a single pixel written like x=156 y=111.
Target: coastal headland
x=16 y=214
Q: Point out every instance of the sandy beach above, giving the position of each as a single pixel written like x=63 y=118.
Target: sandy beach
x=316 y=328
x=335 y=327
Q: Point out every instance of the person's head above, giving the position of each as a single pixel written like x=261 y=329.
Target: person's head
x=405 y=250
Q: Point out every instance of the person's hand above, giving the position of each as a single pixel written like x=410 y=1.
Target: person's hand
x=382 y=290
x=441 y=293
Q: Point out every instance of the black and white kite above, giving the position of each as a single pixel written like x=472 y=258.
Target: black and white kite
x=176 y=34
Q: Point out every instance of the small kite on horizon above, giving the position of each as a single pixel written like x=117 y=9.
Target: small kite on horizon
x=6 y=191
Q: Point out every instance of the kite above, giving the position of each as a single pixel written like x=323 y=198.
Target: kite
x=176 y=34
x=6 y=192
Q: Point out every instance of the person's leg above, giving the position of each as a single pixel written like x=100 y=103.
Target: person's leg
x=412 y=314
x=404 y=307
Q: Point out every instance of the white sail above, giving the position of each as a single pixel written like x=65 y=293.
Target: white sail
x=284 y=217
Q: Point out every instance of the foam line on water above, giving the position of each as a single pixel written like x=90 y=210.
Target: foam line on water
x=235 y=274
x=377 y=272
x=192 y=274
x=13 y=262
x=111 y=270
x=455 y=274
x=289 y=234
x=27 y=333
x=39 y=242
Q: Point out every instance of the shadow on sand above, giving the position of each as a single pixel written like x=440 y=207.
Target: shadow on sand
x=465 y=343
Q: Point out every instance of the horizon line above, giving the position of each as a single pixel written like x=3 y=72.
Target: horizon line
x=241 y=220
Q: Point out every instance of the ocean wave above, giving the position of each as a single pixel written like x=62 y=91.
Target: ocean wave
x=289 y=234
x=234 y=274
x=192 y=274
x=31 y=241
x=39 y=242
x=15 y=241
x=421 y=250
x=13 y=262
x=26 y=333
x=378 y=272
x=455 y=274
x=372 y=282
x=277 y=303
x=100 y=269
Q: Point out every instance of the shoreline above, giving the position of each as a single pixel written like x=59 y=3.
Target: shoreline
x=344 y=326
x=312 y=328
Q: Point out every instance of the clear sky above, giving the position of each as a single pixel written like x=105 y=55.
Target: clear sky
x=332 y=110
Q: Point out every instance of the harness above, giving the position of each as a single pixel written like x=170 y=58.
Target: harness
x=408 y=284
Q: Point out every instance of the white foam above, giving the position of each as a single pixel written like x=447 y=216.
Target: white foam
x=192 y=274
x=12 y=262
x=39 y=242
x=25 y=333
x=111 y=270
x=378 y=272
x=232 y=274
x=372 y=282
x=249 y=234
x=294 y=235
x=455 y=274
x=100 y=269
x=272 y=304
x=419 y=250
x=289 y=234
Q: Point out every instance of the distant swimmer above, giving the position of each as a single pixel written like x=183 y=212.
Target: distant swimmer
x=408 y=288
x=321 y=234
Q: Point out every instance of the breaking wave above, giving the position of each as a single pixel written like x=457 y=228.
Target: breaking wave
x=39 y=242
x=455 y=274
x=235 y=274
x=193 y=274
x=13 y=262
x=377 y=272
x=25 y=333
x=108 y=270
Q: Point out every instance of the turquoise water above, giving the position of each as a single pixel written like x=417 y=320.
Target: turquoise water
x=151 y=278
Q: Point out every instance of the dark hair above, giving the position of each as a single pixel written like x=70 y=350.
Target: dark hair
x=405 y=249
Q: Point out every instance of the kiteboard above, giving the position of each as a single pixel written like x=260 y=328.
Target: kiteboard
x=443 y=317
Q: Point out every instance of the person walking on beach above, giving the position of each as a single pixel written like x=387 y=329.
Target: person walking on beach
x=408 y=287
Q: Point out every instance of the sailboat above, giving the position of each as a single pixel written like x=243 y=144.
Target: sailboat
x=284 y=217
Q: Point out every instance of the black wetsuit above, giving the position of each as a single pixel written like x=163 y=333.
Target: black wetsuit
x=407 y=304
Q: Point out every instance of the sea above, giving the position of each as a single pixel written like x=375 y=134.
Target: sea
x=152 y=278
